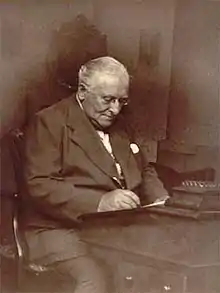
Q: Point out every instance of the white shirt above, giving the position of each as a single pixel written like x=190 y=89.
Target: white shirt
x=107 y=144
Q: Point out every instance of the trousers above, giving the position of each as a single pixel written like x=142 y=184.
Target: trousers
x=86 y=273
x=69 y=256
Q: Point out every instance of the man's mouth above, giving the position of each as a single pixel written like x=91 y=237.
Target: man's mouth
x=110 y=117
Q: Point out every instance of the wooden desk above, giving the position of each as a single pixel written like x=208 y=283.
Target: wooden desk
x=162 y=250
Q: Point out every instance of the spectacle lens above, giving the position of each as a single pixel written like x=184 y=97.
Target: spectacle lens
x=121 y=101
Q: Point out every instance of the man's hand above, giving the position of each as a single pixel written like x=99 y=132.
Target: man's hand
x=118 y=199
x=164 y=198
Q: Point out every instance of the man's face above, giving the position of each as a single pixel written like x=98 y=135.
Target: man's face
x=104 y=98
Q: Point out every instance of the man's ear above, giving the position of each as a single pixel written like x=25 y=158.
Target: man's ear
x=82 y=87
x=81 y=91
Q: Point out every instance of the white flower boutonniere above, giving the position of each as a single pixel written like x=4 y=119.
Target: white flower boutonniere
x=134 y=148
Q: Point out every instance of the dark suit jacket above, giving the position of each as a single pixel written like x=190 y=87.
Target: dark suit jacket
x=68 y=169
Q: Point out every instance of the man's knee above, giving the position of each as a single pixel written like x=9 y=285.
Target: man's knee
x=89 y=275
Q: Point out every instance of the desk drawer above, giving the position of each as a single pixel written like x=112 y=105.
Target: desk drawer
x=134 y=278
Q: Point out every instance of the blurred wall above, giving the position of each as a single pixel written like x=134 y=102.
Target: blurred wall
x=124 y=20
x=27 y=28
x=195 y=73
x=140 y=34
x=194 y=112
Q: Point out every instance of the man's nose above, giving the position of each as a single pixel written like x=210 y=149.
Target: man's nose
x=115 y=107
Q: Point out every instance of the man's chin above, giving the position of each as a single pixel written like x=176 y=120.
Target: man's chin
x=105 y=123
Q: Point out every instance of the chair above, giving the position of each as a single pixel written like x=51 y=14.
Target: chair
x=36 y=273
x=15 y=140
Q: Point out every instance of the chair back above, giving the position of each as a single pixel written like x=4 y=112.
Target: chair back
x=16 y=148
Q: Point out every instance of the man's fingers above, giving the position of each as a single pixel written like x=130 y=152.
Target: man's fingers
x=132 y=196
x=118 y=199
x=127 y=203
x=125 y=206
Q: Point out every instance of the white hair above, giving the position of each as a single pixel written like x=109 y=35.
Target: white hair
x=105 y=64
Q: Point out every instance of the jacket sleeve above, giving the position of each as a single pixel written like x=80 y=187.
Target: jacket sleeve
x=152 y=188
x=52 y=194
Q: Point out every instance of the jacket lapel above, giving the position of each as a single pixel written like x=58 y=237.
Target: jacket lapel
x=84 y=135
x=121 y=149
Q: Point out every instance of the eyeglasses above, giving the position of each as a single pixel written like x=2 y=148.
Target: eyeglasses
x=110 y=99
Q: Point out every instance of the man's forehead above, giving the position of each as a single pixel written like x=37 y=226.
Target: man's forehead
x=107 y=79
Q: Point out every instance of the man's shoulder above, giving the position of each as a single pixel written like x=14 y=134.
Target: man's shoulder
x=58 y=110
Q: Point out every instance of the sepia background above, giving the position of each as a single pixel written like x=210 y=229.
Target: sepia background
x=172 y=51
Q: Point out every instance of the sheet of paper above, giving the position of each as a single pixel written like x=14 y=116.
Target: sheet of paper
x=157 y=203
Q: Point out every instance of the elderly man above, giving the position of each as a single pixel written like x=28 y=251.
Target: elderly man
x=79 y=159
